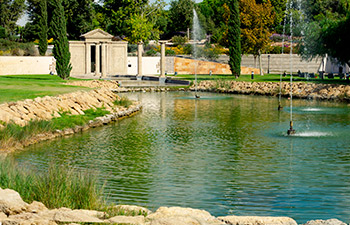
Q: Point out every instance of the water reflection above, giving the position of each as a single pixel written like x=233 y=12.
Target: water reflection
x=226 y=154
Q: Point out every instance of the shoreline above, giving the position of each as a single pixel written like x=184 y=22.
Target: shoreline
x=22 y=113
x=14 y=210
x=328 y=92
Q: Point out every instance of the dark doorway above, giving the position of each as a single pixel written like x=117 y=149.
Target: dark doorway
x=101 y=55
x=93 y=59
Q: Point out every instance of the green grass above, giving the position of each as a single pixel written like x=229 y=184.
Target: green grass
x=18 y=87
x=57 y=187
x=258 y=78
x=123 y=101
x=13 y=133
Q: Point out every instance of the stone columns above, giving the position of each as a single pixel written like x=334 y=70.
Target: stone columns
x=162 y=77
x=87 y=58
x=97 y=71
x=104 y=60
x=139 y=60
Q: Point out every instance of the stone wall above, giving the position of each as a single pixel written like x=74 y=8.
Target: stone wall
x=18 y=65
x=46 y=108
x=300 y=90
x=278 y=63
x=191 y=66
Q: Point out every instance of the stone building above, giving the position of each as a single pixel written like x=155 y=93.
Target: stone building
x=98 y=55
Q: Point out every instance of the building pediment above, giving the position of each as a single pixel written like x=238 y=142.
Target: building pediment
x=97 y=34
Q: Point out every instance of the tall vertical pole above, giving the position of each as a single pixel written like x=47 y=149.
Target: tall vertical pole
x=139 y=60
x=162 y=77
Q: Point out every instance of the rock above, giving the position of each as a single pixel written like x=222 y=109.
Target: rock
x=11 y=202
x=133 y=209
x=257 y=220
x=28 y=222
x=2 y=216
x=325 y=222
x=136 y=220
x=69 y=215
x=179 y=216
x=36 y=207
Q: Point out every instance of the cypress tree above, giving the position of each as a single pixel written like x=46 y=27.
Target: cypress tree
x=61 y=44
x=234 y=38
x=43 y=27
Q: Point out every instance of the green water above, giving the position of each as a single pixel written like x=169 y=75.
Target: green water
x=227 y=154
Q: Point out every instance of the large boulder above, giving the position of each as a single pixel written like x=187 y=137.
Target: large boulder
x=181 y=216
x=325 y=222
x=257 y=220
x=135 y=220
x=64 y=215
x=11 y=202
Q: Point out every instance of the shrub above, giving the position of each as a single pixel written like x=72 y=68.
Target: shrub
x=57 y=187
x=132 y=48
x=151 y=52
x=2 y=32
x=179 y=40
x=170 y=52
x=15 y=48
x=123 y=101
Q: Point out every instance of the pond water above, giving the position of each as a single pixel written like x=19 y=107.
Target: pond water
x=227 y=154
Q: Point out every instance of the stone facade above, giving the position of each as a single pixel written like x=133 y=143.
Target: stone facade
x=98 y=55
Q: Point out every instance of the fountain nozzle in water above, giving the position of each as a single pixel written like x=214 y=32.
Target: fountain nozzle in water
x=280 y=107
x=291 y=131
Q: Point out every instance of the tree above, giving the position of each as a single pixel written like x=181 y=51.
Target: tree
x=118 y=12
x=121 y=16
x=43 y=27
x=141 y=29
x=61 y=45
x=327 y=31
x=181 y=15
x=336 y=40
x=79 y=17
x=256 y=23
x=234 y=38
x=10 y=12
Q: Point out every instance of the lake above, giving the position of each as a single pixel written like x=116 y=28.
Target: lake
x=227 y=154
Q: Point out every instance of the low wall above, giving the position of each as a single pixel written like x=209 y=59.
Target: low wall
x=335 y=92
x=17 y=65
x=278 y=63
x=191 y=66
x=150 y=65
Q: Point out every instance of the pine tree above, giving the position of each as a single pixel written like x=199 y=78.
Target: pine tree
x=43 y=27
x=234 y=38
x=61 y=44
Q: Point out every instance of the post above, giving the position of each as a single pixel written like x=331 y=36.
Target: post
x=87 y=59
x=104 y=60
x=260 y=65
x=268 y=64
x=97 y=70
x=162 y=77
x=139 y=60
x=252 y=76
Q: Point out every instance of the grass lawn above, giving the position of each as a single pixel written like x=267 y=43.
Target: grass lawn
x=18 y=87
x=258 y=78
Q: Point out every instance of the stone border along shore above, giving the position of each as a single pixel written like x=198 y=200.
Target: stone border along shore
x=13 y=210
x=335 y=92
x=46 y=108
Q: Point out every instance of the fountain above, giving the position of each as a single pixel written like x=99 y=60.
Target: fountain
x=196 y=33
